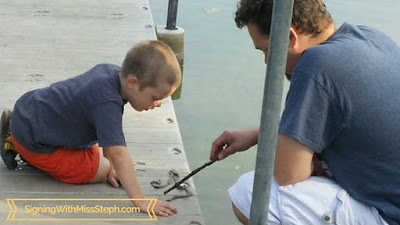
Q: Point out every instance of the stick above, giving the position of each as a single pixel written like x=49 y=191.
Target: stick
x=188 y=176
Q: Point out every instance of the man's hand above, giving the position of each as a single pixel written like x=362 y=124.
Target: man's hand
x=318 y=169
x=162 y=208
x=232 y=141
x=112 y=178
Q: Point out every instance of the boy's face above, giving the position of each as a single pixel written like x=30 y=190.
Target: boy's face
x=149 y=97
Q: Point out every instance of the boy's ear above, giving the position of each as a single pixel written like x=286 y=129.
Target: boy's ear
x=132 y=80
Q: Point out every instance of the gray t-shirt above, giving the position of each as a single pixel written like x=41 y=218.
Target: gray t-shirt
x=72 y=113
x=344 y=103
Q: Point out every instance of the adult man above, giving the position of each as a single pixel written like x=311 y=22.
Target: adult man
x=342 y=105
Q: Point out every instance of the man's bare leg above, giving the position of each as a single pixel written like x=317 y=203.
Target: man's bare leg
x=240 y=215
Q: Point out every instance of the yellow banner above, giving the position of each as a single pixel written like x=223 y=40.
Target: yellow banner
x=79 y=209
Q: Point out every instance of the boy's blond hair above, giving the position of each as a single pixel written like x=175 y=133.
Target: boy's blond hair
x=152 y=61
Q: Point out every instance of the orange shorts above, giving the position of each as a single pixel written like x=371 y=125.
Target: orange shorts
x=67 y=165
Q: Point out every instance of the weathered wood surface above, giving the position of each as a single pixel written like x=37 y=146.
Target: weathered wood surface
x=43 y=41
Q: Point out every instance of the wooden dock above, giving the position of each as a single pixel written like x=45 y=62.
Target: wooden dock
x=43 y=41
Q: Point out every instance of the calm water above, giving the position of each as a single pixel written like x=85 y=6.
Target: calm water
x=223 y=85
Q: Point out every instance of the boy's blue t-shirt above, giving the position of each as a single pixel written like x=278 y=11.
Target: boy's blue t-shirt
x=72 y=113
x=344 y=103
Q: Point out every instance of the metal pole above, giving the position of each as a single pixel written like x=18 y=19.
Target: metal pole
x=172 y=12
x=277 y=54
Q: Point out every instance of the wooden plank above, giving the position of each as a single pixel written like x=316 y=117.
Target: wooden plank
x=157 y=151
x=145 y=173
x=77 y=4
x=44 y=41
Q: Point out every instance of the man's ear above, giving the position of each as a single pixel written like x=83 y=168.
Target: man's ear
x=293 y=38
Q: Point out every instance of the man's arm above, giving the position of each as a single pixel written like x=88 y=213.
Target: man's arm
x=293 y=161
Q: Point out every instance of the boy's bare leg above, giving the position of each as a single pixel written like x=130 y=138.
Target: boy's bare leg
x=102 y=171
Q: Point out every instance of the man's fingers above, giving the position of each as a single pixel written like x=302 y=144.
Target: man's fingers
x=218 y=146
x=226 y=152
x=215 y=150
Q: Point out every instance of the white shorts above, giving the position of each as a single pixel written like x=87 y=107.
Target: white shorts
x=317 y=200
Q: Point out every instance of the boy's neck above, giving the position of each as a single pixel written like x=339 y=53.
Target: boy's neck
x=122 y=83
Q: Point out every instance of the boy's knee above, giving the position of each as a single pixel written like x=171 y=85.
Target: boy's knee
x=242 y=218
x=102 y=171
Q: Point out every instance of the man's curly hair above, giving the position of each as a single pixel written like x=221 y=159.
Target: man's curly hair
x=309 y=16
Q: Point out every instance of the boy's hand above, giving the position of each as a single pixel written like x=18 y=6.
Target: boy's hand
x=162 y=208
x=112 y=178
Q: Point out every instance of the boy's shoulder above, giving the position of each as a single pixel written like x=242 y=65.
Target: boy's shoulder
x=105 y=67
x=98 y=75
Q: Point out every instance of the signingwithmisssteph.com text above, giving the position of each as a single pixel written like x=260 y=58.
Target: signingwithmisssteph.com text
x=31 y=209
x=100 y=209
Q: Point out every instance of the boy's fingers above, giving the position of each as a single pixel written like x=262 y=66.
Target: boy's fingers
x=169 y=206
x=113 y=182
x=161 y=213
x=173 y=209
x=167 y=211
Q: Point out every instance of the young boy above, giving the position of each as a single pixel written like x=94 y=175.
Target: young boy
x=58 y=129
